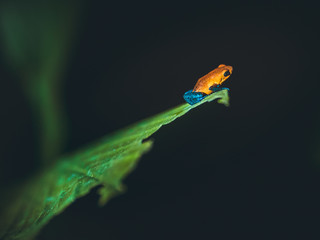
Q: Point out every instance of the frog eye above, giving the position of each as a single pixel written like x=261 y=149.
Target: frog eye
x=226 y=73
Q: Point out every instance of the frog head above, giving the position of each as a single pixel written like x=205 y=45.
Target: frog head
x=224 y=72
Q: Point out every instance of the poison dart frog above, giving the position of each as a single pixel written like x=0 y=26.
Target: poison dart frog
x=208 y=84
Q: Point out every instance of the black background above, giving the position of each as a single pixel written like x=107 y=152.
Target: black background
x=247 y=171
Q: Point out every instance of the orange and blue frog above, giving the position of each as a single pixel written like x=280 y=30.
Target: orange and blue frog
x=208 y=84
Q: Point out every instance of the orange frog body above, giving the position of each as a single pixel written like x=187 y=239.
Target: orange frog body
x=208 y=84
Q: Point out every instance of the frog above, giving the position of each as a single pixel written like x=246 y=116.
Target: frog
x=208 y=84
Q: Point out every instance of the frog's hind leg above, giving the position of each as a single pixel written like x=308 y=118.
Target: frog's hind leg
x=193 y=97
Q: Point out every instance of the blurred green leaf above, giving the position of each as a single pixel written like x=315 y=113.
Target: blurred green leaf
x=104 y=164
x=36 y=39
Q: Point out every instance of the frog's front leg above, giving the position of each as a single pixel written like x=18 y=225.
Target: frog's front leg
x=217 y=88
x=194 y=97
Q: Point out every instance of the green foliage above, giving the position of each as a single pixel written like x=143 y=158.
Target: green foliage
x=36 y=39
x=104 y=164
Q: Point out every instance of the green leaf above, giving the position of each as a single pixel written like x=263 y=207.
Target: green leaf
x=36 y=39
x=104 y=164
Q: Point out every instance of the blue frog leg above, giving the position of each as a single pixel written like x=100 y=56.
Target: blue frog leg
x=217 y=88
x=194 y=97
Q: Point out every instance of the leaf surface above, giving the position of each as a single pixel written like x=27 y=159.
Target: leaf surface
x=104 y=163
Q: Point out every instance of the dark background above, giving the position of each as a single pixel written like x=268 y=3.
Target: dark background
x=247 y=171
